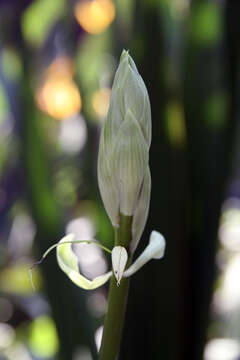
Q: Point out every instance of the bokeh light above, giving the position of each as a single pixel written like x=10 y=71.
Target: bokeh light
x=38 y=19
x=90 y=256
x=98 y=336
x=100 y=102
x=15 y=278
x=73 y=134
x=222 y=349
x=206 y=25
x=82 y=353
x=18 y=244
x=17 y=351
x=7 y=335
x=175 y=124
x=59 y=95
x=95 y=15
x=229 y=230
x=60 y=98
x=227 y=298
x=43 y=339
x=97 y=303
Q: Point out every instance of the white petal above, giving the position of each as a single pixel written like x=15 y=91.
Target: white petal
x=119 y=260
x=68 y=262
x=158 y=243
x=154 y=250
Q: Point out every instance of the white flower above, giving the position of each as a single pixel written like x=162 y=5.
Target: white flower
x=68 y=262
x=123 y=176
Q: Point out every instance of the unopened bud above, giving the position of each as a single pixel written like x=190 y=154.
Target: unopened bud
x=123 y=172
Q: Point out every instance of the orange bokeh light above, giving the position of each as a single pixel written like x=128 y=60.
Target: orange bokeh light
x=59 y=96
x=100 y=101
x=95 y=15
x=61 y=66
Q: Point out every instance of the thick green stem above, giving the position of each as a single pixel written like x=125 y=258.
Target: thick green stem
x=117 y=300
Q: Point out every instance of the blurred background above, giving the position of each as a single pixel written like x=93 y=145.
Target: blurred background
x=57 y=62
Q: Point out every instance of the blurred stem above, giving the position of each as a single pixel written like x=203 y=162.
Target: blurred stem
x=117 y=299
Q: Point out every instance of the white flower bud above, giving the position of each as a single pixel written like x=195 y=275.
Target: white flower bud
x=123 y=173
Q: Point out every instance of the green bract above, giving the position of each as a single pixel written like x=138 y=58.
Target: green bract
x=123 y=171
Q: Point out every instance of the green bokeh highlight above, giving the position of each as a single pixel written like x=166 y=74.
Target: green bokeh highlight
x=43 y=340
x=39 y=18
x=175 y=124
x=216 y=110
x=206 y=23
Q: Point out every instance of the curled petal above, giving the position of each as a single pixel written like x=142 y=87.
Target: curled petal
x=154 y=250
x=68 y=262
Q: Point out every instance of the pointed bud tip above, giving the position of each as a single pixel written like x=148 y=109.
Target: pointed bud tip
x=125 y=54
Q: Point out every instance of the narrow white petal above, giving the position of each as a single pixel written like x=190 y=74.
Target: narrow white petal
x=68 y=262
x=119 y=260
x=154 y=250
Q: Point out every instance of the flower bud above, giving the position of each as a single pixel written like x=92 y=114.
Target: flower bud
x=123 y=172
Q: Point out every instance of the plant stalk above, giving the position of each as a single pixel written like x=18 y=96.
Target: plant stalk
x=117 y=299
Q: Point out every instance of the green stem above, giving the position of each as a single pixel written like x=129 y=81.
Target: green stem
x=117 y=299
